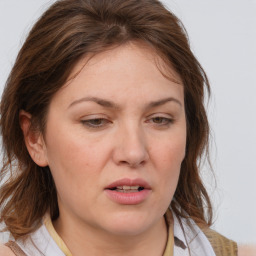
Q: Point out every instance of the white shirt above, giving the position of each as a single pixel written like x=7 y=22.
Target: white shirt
x=192 y=238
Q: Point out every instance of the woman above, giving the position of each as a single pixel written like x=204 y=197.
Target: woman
x=103 y=126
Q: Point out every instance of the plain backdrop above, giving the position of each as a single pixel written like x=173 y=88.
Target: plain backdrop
x=223 y=37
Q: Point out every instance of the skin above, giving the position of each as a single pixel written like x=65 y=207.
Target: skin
x=247 y=250
x=5 y=251
x=90 y=143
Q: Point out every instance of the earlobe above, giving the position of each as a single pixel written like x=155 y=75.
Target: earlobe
x=33 y=139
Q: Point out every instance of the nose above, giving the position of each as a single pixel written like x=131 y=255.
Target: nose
x=130 y=147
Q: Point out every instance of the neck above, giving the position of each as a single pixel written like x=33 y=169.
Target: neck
x=152 y=242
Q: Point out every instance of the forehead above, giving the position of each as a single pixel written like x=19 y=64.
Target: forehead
x=129 y=50
x=133 y=68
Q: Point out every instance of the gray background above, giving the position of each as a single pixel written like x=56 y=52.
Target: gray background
x=223 y=37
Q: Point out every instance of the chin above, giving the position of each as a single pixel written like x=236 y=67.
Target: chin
x=129 y=224
x=127 y=230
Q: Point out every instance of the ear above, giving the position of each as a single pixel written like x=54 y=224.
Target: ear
x=33 y=139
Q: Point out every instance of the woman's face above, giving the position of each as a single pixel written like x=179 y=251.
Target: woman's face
x=114 y=141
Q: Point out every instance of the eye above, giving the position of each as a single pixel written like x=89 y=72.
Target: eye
x=161 y=121
x=95 y=122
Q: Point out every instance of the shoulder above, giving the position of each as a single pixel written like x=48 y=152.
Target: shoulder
x=220 y=244
x=6 y=251
x=246 y=250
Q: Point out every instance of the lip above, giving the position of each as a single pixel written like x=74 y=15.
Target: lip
x=129 y=182
x=132 y=198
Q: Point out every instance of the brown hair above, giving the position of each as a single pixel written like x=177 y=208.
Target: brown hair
x=66 y=32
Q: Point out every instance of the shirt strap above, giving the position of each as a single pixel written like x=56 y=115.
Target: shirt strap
x=49 y=226
x=170 y=241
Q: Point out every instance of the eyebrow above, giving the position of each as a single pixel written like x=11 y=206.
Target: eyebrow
x=110 y=104
x=157 y=103
x=99 y=101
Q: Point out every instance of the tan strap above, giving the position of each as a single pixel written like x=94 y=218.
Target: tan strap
x=221 y=245
x=15 y=248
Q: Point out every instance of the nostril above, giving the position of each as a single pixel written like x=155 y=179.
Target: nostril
x=132 y=164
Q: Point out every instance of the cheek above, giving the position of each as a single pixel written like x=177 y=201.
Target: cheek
x=72 y=152
x=75 y=172
x=167 y=157
x=76 y=162
x=169 y=152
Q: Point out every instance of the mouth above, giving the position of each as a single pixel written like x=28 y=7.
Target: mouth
x=128 y=185
x=128 y=191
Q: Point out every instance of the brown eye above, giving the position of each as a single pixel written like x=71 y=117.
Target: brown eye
x=161 y=120
x=95 y=123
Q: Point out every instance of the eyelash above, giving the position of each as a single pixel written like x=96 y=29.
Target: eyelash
x=165 y=121
x=91 y=122
x=97 y=123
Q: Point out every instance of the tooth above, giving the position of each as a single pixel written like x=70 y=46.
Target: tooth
x=125 y=187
